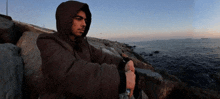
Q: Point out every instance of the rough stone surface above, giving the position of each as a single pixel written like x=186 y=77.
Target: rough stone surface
x=5 y=16
x=142 y=95
x=110 y=51
x=155 y=89
x=183 y=92
x=141 y=64
x=7 y=33
x=11 y=72
x=154 y=76
x=24 y=27
x=32 y=59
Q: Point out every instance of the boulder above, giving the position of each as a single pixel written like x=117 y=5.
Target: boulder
x=11 y=72
x=154 y=88
x=156 y=52
x=142 y=95
x=153 y=76
x=6 y=17
x=7 y=32
x=32 y=61
x=142 y=65
x=110 y=51
x=182 y=91
x=11 y=30
x=216 y=76
x=24 y=27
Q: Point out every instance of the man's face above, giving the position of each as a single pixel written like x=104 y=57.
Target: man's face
x=79 y=24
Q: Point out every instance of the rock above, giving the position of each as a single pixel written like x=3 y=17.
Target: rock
x=156 y=52
x=153 y=76
x=167 y=89
x=11 y=72
x=114 y=51
x=6 y=17
x=110 y=51
x=142 y=65
x=143 y=53
x=216 y=76
x=106 y=43
x=7 y=32
x=168 y=76
x=32 y=60
x=11 y=30
x=192 y=93
x=154 y=88
x=23 y=27
x=131 y=47
x=142 y=95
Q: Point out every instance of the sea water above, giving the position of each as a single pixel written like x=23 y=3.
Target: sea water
x=194 y=61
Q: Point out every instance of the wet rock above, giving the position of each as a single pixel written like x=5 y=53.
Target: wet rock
x=7 y=32
x=143 y=53
x=181 y=91
x=11 y=72
x=216 y=77
x=156 y=52
x=32 y=60
x=128 y=46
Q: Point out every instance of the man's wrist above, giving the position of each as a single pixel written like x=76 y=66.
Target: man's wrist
x=128 y=92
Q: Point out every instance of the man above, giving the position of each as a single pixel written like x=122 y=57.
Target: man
x=73 y=68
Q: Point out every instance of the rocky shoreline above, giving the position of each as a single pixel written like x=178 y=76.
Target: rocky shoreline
x=20 y=65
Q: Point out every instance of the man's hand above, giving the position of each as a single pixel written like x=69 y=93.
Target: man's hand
x=130 y=66
x=130 y=81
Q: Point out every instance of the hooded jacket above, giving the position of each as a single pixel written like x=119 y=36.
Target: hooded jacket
x=75 y=68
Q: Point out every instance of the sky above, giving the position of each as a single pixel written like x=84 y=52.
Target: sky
x=130 y=20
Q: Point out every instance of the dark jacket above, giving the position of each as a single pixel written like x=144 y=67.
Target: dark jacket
x=75 y=68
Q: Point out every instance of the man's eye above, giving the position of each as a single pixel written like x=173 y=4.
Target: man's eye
x=77 y=18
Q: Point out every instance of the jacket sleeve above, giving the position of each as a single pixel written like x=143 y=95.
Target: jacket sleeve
x=66 y=74
x=98 y=56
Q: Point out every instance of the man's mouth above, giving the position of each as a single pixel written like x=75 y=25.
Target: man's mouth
x=82 y=30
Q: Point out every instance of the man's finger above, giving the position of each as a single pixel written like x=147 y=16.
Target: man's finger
x=130 y=66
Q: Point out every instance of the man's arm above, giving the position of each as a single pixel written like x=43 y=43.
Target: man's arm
x=98 y=56
x=124 y=65
x=66 y=74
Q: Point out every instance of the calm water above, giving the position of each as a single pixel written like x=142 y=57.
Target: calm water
x=194 y=61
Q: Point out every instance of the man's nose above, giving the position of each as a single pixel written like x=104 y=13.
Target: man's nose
x=83 y=23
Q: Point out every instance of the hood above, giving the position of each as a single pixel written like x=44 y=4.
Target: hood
x=64 y=17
